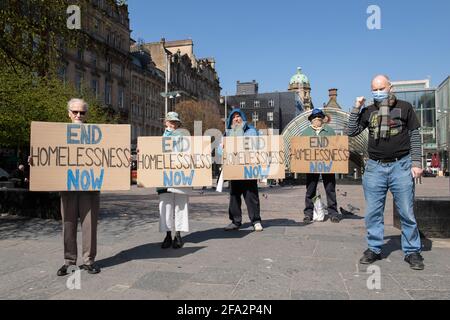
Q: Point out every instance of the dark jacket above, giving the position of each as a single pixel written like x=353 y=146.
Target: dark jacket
x=325 y=132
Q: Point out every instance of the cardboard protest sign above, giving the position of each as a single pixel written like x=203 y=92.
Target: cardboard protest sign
x=251 y=158
x=319 y=154
x=179 y=161
x=79 y=157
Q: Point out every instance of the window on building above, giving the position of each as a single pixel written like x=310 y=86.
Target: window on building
x=62 y=73
x=80 y=54
x=108 y=66
x=269 y=116
x=36 y=42
x=119 y=44
x=8 y=29
x=61 y=44
x=96 y=24
x=256 y=104
x=79 y=81
x=242 y=104
x=255 y=116
x=94 y=86
x=121 y=97
x=271 y=103
x=94 y=59
x=108 y=92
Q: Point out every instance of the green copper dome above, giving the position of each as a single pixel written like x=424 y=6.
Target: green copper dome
x=299 y=78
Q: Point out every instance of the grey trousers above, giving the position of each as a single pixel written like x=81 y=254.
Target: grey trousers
x=86 y=206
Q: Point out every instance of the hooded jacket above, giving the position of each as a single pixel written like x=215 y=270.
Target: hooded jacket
x=249 y=130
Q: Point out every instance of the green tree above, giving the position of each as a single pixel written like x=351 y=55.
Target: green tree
x=33 y=40
x=25 y=97
x=34 y=33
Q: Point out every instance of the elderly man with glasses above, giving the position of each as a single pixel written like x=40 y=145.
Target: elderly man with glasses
x=82 y=204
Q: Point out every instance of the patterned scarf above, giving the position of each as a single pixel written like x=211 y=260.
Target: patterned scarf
x=384 y=117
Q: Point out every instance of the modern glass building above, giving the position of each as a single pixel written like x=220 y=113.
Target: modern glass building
x=423 y=99
x=443 y=122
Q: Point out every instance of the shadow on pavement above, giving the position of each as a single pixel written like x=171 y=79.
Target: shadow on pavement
x=146 y=252
x=15 y=227
x=154 y=250
x=345 y=214
x=394 y=243
x=282 y=223
x=218 y=233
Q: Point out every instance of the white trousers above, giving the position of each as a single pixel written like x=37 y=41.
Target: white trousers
x=173 y=212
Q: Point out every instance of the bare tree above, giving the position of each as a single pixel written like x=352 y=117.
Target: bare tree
x=204 y=111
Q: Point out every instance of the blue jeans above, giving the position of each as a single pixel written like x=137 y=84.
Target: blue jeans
x=377 y=180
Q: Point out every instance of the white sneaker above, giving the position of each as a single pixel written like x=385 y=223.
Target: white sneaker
x=258 y=227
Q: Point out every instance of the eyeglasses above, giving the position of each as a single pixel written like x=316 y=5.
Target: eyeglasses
x=81 y=113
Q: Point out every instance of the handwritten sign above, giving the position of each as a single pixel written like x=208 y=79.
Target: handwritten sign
x=174 y=162
x=319 y=154
x=251 y=158
x=79 y=157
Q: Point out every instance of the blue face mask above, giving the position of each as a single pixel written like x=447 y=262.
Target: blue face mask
x=168 y=131
x=379 y=96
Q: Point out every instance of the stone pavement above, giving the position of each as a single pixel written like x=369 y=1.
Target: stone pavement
x=288 y=260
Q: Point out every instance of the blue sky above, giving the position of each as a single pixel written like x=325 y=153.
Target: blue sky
x=267 y=41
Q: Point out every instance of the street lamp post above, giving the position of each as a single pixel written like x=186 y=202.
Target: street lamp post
x=224 y=100
x=226 y=111
x=166 y=96
x=174 y=95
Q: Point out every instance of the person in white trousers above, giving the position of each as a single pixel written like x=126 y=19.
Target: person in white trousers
x=173 y=202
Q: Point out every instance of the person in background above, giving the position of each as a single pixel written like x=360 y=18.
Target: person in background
x=21 y=177
x=319 y=128
x=237 y=126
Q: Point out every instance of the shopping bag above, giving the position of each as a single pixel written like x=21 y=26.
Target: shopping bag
x=319 y=209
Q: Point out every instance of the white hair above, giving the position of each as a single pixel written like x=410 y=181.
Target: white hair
x=77 y=101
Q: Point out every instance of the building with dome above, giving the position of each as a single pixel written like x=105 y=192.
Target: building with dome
x=288 y=113
x=272 y=110
x=301 y=86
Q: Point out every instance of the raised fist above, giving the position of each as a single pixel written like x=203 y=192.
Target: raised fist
x=360 y=101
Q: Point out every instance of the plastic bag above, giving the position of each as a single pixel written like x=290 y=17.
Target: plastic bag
x=219 y=186
x=319 y=209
